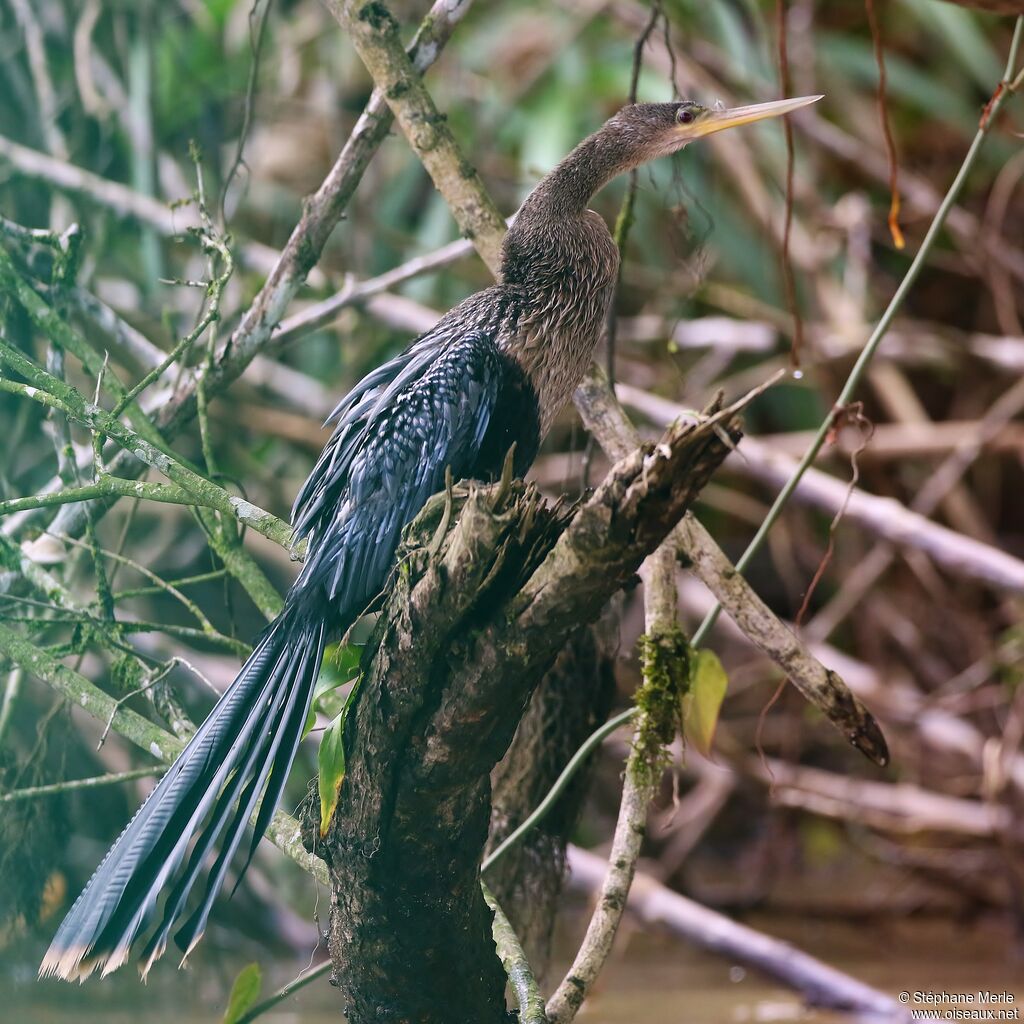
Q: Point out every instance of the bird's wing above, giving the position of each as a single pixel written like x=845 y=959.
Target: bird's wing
x=395 y=435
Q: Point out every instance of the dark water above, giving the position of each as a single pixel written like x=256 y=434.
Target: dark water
x=651 y=979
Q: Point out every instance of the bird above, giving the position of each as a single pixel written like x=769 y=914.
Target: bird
x=487 y=380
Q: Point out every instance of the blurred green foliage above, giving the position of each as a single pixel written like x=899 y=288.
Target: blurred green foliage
x=521 y=83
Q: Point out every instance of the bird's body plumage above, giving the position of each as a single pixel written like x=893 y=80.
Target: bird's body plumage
x=493 y=372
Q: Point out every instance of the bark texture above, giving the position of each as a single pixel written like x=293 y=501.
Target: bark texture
x=474 y=618
x=572 y=700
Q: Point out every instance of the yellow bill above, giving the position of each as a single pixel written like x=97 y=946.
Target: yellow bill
x=717 y=120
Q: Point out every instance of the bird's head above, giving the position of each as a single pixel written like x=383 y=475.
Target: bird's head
x=657 y=129
x=635 y=135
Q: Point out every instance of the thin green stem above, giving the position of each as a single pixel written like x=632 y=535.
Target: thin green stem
x=875 y=339
x=184 y=581
x=592 y=742
x=285 y=991
x=599 y=735
x=227 y=643
x=32 y=792
x=105 y=486
x=55 y=394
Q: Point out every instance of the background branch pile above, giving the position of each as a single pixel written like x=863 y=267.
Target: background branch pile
x=163 y=382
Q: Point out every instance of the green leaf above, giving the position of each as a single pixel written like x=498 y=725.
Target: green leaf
x=703 y=699
x=342 y=663
x=310 y=720
x=331 y=765
x=244 y=993
x=339 y=666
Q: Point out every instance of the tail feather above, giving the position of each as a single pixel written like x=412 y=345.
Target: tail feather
x=284 y=744
x=292 y=737
x=82 y=929
x=138 y=905
x=248 y=737
x=246 y=777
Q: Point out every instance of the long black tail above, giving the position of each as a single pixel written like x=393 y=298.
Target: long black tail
x=245 y=746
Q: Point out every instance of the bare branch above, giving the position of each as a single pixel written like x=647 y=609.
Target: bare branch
x=654 y=904
x=374 y=33
x=885 y=517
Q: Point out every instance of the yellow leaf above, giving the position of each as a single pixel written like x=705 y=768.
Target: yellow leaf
x=703 y=699
x=331 y=765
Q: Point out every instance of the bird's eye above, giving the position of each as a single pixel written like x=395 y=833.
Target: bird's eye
x=684 y=115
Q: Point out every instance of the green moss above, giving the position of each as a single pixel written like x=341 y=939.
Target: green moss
x=126 y=673
x=10 y=555
x=665 y=661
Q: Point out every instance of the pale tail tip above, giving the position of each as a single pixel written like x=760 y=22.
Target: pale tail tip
x=66 y=964
x=188 y=952
x=147 y=965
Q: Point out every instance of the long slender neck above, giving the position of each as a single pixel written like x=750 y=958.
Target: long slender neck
x=552 y=239
x=588 y=168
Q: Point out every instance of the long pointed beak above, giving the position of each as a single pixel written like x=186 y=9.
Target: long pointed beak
x=717 y=120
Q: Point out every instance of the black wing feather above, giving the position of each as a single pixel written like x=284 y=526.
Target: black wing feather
x=395 y=435
x=423 y=412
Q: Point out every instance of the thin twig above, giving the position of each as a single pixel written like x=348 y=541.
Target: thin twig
x=33 y=792
x=52 y=393
x=849 y=389
x=517 y=967
x=257 y=34
x=624 y=220
x=665 y=668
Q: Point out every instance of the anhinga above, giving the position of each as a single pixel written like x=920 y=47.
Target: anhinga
x=493 y=372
